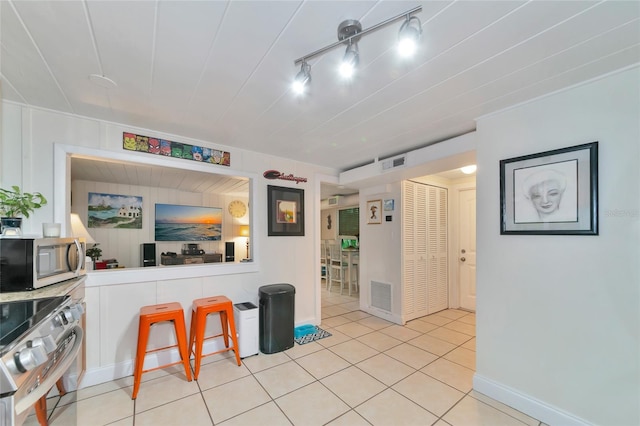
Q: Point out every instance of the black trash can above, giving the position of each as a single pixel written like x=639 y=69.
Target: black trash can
x=277 y=308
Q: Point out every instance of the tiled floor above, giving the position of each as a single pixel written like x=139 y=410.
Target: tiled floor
x=369 y=372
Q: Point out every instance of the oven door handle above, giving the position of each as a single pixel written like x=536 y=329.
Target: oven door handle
x=45 y=386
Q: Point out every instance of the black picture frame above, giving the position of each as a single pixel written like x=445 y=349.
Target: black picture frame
x=550 y=193
x=285 y=211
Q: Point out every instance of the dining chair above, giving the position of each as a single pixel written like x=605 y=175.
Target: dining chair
x=338 y=267
x=327 y=256
x=350 y=254
x=323 y=261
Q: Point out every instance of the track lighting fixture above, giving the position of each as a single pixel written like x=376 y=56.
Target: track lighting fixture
x=409 y=36
x=349 y=33
x=302 y=79
x=350 y=60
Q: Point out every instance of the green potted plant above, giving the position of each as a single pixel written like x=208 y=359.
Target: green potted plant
x=94 y=252
x=14 y=204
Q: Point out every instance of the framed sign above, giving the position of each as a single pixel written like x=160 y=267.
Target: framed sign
x=552 y=192
x=285 y=211
x=374 y=212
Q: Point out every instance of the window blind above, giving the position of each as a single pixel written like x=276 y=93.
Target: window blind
x=349 y=221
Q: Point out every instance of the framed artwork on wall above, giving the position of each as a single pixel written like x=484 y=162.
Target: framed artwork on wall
x=285 y=211
x=552 y=192
x=374 y=212
x=187 y=223
x=114 y=211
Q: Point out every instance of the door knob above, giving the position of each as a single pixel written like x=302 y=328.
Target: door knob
x=462 y=259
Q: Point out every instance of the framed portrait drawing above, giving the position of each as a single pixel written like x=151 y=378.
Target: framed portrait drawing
x=552 y=192
x=374 y=212
x=285 y=211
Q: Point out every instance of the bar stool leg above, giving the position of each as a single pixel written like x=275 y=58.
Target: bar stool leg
x=198 y=338
x=143 y=337
x=41 y=410
x=182 y=344
x=225 y=327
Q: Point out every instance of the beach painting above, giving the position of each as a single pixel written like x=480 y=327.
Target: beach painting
x=114 y=211
x=187 y=223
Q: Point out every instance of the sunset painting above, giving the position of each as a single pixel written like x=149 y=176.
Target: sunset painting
x=187 y=223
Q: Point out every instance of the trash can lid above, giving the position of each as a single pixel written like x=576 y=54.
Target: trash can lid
x=277 y=289
x=245 y=306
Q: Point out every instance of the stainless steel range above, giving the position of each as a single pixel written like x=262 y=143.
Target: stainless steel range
x=39 y=341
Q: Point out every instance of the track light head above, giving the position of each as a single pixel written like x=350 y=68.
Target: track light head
x=301 y=82
x=350 y=61
x=349 y=33
x=409 y=36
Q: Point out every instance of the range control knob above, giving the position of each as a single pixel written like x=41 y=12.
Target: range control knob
x=68 y=316
x=29 y=358
x=48 y=342
x=76 y=311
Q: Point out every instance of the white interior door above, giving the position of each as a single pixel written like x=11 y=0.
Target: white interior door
x=467 y=249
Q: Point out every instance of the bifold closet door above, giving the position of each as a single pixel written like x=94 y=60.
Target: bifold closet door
x=424 y=252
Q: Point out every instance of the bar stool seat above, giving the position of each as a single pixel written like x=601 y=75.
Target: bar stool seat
x=150 y=315
x=201 y=309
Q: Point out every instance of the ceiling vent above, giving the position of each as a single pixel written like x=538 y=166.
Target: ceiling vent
x=392 y=163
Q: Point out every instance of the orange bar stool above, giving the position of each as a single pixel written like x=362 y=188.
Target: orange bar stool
x=150 y=315
x=201 y=309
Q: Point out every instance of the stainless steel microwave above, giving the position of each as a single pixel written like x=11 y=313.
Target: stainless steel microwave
x=31 y=263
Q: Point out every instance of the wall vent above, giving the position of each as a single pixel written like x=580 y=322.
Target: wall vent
x=392 y=163
x=334 y=201
x=381 y=295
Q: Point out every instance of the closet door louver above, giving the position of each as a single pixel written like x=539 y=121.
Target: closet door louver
x=424 y=253
x=408 y=249
x=437 y=278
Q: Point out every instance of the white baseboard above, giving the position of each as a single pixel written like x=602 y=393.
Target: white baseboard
x=389 y=316
x=108 y=373
x=530 y=406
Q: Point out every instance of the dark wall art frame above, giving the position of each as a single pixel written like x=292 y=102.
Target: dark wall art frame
x=550 y=193
x=285 y=211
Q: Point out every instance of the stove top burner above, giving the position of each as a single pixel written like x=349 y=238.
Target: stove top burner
x=17 y=318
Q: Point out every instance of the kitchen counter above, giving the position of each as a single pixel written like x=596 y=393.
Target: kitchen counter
x=53 y=290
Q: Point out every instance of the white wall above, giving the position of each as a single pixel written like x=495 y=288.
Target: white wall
x=558 y=317
x=380 y=251
x=33 y=133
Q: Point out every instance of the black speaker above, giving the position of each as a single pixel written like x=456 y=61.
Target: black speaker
x=147 y=254
x=229 y=248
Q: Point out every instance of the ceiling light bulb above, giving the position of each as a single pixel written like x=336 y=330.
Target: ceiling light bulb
x=302 y=79
x=409 y=36
x=467 y=170
x=350 y=61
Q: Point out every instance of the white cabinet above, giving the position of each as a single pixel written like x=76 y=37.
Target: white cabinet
x=424 y=250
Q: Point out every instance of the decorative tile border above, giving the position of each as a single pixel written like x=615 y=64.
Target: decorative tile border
x=157 y=146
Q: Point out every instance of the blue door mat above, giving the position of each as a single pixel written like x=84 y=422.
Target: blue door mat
x=313 y=333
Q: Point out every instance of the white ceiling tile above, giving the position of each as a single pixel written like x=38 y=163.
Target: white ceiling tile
x=23 y=66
